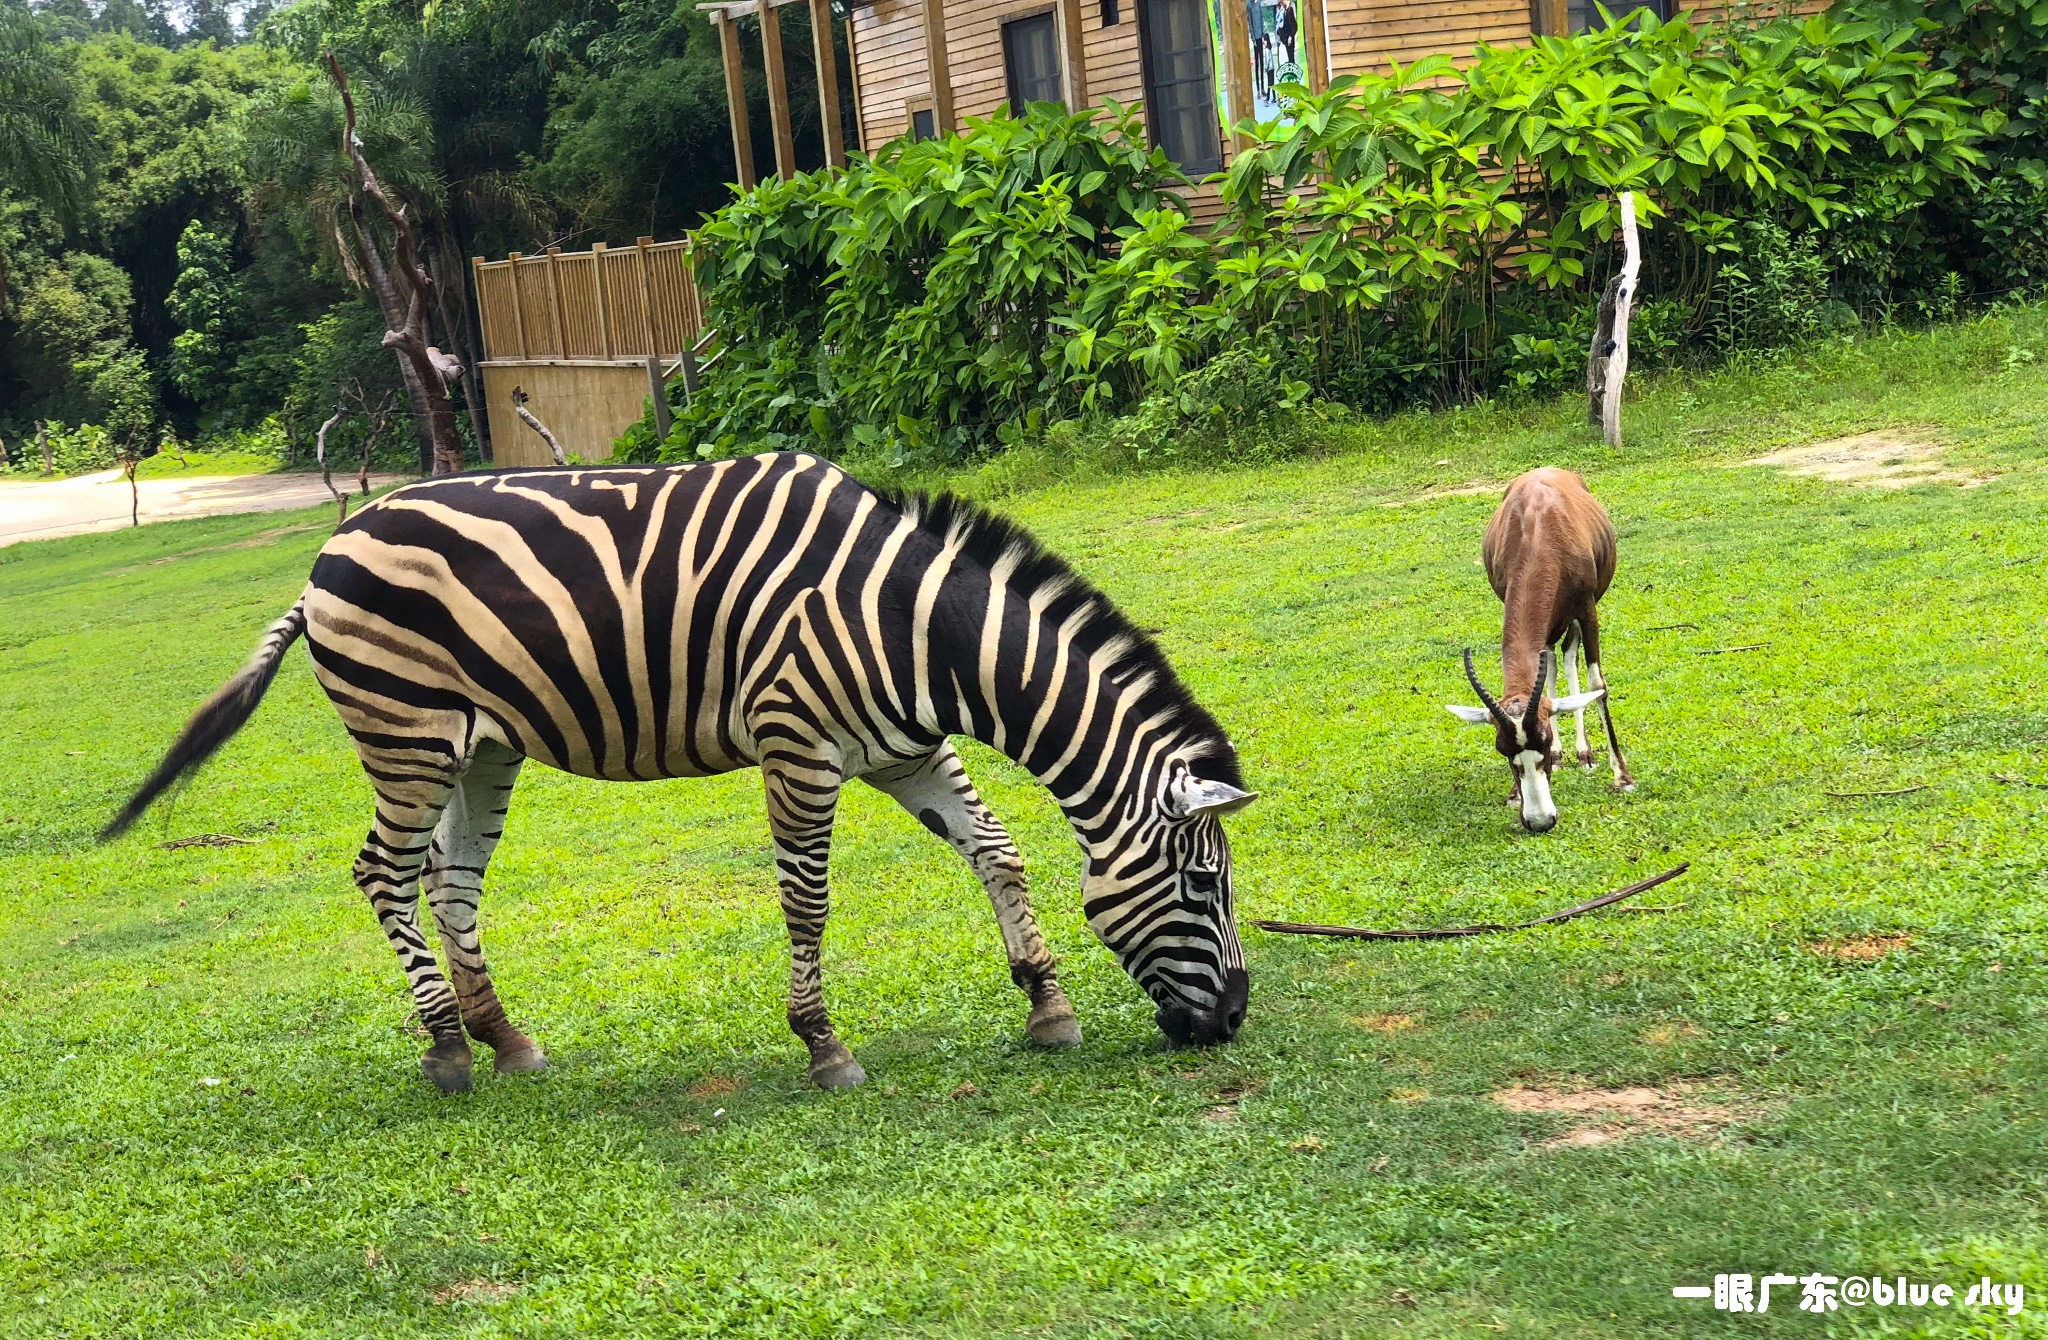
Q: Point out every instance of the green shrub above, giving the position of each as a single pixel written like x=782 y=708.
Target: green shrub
x=1433 y=233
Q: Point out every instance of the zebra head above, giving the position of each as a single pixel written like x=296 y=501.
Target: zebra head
x=1160 y=899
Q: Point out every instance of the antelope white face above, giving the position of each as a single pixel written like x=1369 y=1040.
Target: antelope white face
x=1532 y=774
x=1525 y=734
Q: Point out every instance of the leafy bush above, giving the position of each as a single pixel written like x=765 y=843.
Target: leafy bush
x=1430 y=233
x=73 y=451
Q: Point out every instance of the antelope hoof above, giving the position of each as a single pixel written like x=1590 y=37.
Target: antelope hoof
x=450 y=1066
x=844 y=1073
x=527 y=1060
x=1054 y=1026
x=1586 y=759
x=1625 y=784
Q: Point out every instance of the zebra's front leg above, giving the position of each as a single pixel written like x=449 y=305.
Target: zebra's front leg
x=412 y=791
x=803 y=796
x=470 y=827
x=937 y=791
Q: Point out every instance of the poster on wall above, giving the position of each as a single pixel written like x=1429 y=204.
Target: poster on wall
x=1277 y=52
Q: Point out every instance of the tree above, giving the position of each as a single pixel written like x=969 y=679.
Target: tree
x=431 y=368
x=45 y=148
x=203 y=300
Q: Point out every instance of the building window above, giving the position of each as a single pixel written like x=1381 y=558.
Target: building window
x=1031 y=58
x=1584 y=16
x=1180 y=82
x=923 y=124
x=1112 y=13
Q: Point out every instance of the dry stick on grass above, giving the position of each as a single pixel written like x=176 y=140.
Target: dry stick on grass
x=205 y=840
x=1671 y=627
x=1723 y=651
x=1900 y=791
x=2018 y=781
x=526 y=416
x=1483 y=928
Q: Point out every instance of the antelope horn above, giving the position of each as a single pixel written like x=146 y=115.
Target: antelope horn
x=1492 y=707
x=1536 y=695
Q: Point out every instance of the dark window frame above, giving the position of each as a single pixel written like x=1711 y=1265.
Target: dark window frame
x=1016 y=20
x=1150 y=78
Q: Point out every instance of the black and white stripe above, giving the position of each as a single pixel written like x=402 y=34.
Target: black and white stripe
x=682 y=621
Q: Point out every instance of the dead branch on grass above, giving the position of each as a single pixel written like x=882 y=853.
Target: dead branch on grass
x=1482 y=928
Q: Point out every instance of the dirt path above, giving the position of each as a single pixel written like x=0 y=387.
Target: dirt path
x=46 y=510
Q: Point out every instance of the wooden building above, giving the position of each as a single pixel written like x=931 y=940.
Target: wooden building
x=920 y=67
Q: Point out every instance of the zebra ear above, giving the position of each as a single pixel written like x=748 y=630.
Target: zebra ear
x=1188 y=796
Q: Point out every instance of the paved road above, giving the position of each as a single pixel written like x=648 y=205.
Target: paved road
x=43 y=510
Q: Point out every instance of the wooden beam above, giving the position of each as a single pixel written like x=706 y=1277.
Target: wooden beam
x=778 y=94
x=1315 y=46
x=647 y=294
x=604 y=302
x=940 y=73
x=860 y=125
x=555 y=297
x=476 y=287
x=518 y=308
x=1073 y=55
x=739 y=9
x=1550 y=18
x=826 y=61
x=735 y=100
x=1237 y=62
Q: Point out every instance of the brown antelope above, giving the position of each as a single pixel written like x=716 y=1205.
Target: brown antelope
x=1550 y=554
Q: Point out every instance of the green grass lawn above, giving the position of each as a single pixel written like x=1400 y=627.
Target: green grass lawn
x=212 y=1121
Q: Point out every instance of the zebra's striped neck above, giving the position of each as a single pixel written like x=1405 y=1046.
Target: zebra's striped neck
x=1020 y=652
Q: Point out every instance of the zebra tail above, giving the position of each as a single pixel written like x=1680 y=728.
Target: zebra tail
x=215 y=723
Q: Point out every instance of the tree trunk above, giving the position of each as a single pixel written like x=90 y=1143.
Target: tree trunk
x=458 y=322
x=433 y=368
x=386 y=293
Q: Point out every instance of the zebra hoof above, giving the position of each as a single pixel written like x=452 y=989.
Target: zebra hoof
x=841 y=1074
x=451 y=1070
x=1054 y=1030
x=524 y=1061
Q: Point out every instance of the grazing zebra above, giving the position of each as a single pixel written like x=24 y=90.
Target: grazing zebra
x=682 y=621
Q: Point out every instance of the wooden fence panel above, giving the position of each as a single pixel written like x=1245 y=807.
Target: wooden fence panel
x=606 y=303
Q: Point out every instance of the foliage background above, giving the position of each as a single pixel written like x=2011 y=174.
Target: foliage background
x=169 y=177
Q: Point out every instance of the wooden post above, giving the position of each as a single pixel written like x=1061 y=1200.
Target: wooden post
x=1237 y=37
x=826 y=61
x=555 y=297
x=860 y=125
x=778 y=92
x=518 y=307
x=604 y=302
x=1072 y=54
x=735 y=100
x=940 y=74
x=476 y=278
x=657 y=393
x=43 y=441
x=1315 y=46
x=1552 y=18
x=647 y=294
x=1624 y=298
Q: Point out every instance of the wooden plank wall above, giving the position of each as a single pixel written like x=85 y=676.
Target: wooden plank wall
x=1363 y=38
x=889 y=61
x=586 y=405
x=551 y=306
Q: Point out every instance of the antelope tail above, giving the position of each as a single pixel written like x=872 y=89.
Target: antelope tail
x=216 y=721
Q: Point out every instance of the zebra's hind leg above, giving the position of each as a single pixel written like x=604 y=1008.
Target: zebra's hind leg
x=413 y=782
x=938 y=792
x=803 y=797
x=470 y=827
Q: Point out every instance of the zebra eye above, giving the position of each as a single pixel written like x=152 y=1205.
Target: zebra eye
x=1202 y=884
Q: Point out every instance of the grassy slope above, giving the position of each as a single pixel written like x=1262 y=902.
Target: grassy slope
x=674 y=1175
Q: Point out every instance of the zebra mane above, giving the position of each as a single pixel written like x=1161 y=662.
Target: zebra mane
x=996 y=542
